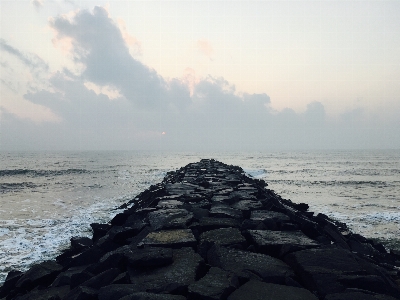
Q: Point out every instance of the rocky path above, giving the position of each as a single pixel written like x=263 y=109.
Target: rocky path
x=210 y=232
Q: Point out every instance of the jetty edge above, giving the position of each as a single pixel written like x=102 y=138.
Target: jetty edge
x=208 y=231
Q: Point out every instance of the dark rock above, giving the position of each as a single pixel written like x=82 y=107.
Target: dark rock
x=319 y=268
x=119 y=219
x=80 y=243
x=265 y=216
x=150 y=296
x=88 y=256
x=279 y=243
x=253 y=224
x=169 y=218
x=173 y=278
x=99 y=230
x=115 y=291
x=150 y=257
x=78 y=278
x=216 y=285
x=357 y=296
x=223 y=237
x=200 y=213
x=103 y=279
x=9 y=284
x=247 y=206
x=169 y=204
x=82 y=293
x=180 y=188
x=40 y=274
x=53 y=293
x=64 y=278
x=257 y=290
x=220 y=211
x=207 y=224
x=371 y=283
x=170 y=238
x=249 y=265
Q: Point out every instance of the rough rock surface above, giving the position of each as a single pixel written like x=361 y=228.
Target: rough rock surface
x=208 y=231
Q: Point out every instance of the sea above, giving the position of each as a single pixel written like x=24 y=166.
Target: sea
x=49 y=197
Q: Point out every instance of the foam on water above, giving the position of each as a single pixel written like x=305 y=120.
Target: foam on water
x=24 y=242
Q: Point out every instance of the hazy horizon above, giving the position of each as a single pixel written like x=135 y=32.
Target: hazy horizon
x=199 y=75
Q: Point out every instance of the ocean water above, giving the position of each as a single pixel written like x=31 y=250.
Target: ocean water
x=46 y=198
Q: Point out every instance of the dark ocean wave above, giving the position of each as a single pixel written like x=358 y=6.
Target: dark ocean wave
x=38 y=173
x=334 y=183
x=13 y=187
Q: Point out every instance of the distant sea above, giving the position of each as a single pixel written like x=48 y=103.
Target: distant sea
x=48 y=197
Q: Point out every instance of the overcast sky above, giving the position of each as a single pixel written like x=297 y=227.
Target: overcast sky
x=199 y=75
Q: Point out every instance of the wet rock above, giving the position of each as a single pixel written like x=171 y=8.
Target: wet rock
x=64 y=278
x=53 y=293
x=169 y=204
x=115 y=291
x=80 y=243
x=269 y=216
x=216 y=285
x=179 y=188
x=99 y=230
x=173 y=278
x=150 y=257
x=103 y=279
x=357 y=296
x=9 y=284
x=279 y=243
x=207 y=224
x=249 y=265
x=169 y=218
x=223 y=237
x=40 y=274
x=151 y=296
x=257 y=290
x=88 y=256
x=222 y=211
x=81 y=293
x=319 y=269
x=169 y=238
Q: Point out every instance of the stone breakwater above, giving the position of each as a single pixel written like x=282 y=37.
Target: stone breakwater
x=210 y=232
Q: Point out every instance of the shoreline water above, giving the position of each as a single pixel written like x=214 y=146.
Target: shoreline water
x=358 y=188
x=204 y=224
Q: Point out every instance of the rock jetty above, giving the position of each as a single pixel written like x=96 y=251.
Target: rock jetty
x=210 y=232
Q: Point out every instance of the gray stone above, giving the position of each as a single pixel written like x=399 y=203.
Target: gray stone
x=150 y=296
x=215 y=223
x=169 y=218
x=170 y=238
x=40 y=274
x=257 y=290
x=220 y=211
x=172 y=278
x=265 y=215
x=216 y=285
x=223 y=237
x=247 y=205
x=53 y=293
x=279 y=243
x=149 y=257
x=168 y=204
x=249 y=265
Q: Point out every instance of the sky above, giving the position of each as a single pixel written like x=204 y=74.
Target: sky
x=199 y=75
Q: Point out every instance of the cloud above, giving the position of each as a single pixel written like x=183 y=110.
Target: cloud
x=37 y=3
x=205 y=48
x=32 y=61
x=99 y=45
x=117 y=102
